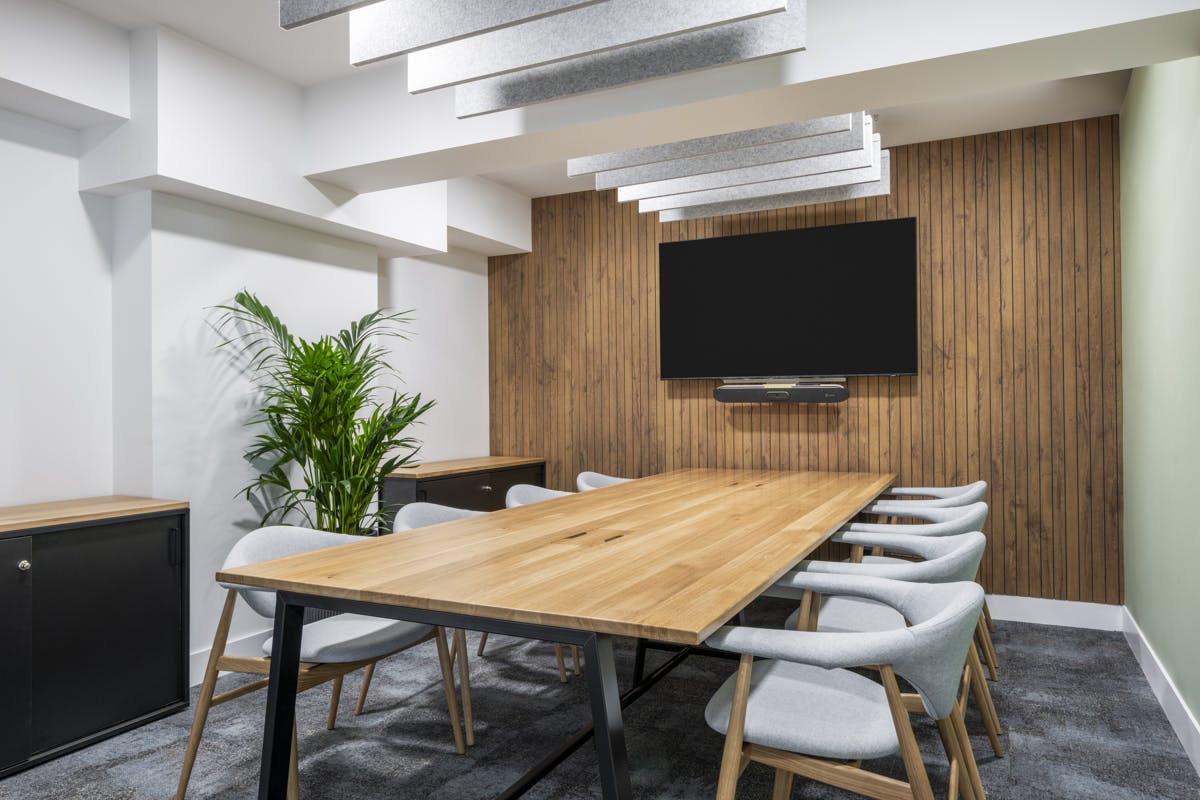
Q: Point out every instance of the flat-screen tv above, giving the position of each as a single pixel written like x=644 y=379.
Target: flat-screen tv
x=833 y=301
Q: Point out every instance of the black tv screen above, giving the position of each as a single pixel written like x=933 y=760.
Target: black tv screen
x=816 y=302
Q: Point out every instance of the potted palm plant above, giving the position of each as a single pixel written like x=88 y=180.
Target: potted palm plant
x=328 y=428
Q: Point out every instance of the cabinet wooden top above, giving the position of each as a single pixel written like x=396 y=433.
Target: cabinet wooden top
x=463 y=466
x=87 y=509
x=669 y=557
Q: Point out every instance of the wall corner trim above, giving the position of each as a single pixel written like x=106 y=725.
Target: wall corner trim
x=1182 y=720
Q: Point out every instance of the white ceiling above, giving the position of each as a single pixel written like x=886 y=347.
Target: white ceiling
x=248 y=29
x=1037 y=104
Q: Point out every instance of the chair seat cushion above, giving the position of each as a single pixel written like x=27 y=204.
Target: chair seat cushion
x=853 y=615
x=354 y=637
x=812 y=711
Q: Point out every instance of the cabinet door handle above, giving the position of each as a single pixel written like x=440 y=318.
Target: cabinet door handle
x=24 y=565
x=173 y=546
x=486 y=488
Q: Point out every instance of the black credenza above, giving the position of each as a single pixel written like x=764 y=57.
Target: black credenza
x=475 y=483
x=93 y=620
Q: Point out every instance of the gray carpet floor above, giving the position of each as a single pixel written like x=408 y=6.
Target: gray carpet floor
x=1080 y=722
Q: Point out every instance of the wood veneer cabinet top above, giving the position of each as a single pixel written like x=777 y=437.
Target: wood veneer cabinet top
x=669 y=557
x=87 y=509
x=463 y=466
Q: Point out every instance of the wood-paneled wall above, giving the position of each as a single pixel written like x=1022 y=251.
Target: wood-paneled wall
x=1019 y=292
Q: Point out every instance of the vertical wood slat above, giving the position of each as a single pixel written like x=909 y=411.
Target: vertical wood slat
x=1019 y=325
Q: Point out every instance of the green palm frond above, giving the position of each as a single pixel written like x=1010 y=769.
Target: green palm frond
x=323 y=413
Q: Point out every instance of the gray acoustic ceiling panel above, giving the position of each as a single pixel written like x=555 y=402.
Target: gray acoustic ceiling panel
x=834 y=194
x=294 y=13
x=562 y=37
x=709 y=144
x=790 y=150
x=804 y=183
x=393 y=27
x=777 y=170
x=732 y=43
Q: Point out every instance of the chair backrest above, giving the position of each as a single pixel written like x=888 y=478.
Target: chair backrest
x=275 y=541
x=586 y=481
x=947 y=559
x=522 y=494
x=939 y=521
x=942 y=619
x=941 y=496
x=420 y=515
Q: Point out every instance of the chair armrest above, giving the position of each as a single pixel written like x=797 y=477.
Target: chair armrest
x=826 y=650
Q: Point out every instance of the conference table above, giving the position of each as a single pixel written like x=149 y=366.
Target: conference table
x=665 y=559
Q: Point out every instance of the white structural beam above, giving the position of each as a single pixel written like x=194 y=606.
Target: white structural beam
x=852 y=191
x=824 y=144
x=394 y=27
x=362 y=136
x=561 y=37
x=804 y=183
x=737 y=177
x=732 y=43
x=710 y=144
x=294 y=13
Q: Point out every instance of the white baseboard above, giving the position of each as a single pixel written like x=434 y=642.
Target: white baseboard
x=1178 y=714
x=1067 y=613
x=248 y=645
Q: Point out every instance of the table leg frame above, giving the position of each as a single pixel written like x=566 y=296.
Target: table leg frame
x=606 y=700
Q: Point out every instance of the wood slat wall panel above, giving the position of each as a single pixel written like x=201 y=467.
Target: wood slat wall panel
x=1019 y=320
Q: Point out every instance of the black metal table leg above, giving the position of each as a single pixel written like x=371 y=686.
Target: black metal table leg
x=281 y=699
x=639 y=661
x=605 y=698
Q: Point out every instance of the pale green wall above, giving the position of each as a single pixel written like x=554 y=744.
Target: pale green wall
x=1160 y=306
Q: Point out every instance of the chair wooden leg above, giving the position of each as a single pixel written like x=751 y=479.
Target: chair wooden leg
x=989 y=652
x=334 y=700
x=464 y=685
x=987 y=615
x=814 y=613
x=806 y=604
x=368 y=673
x=983 y=701
x=562 y=664
x=731 y=756
x=914 y=765
x=970 y=768
x=950 y=743
x=448 y=686
x=293 y=787
x=856 y=553
x=575 y=659
x=207 y=687
x=782 y=790
x=482 y=642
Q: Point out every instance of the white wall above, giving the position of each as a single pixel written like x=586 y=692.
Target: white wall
x=55 y=320
x=447 y=357
x=201 y=256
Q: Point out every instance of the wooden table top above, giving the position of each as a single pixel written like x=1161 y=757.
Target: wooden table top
x=87 y=509
x=461 y=466
x=669 y=557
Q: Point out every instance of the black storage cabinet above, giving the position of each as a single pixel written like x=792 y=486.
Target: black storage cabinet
x=479 y=484
x=93 y=617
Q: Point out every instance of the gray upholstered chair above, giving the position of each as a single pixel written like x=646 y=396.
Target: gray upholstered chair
x=803 y=711
x=523 y=494
x=938 y=496
x=421 y=515
x=935 y=522
x=586 y=481
x=330 y=648
x=946 y=559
